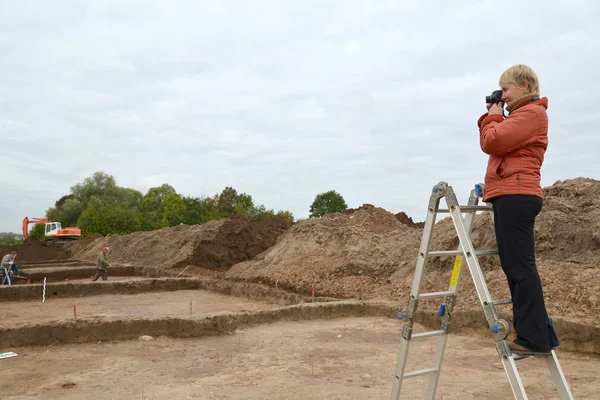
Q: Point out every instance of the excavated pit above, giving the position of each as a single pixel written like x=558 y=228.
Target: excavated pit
x=90 y=324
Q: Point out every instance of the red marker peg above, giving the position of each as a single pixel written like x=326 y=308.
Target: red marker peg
x=75 y=311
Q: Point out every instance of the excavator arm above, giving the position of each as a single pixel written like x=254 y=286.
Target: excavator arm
x=27 y=221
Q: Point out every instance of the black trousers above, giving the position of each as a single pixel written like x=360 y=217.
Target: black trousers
x=100 y=273
x=514 y=218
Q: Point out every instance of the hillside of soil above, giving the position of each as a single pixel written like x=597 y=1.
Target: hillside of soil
x=341 y=254
x=32 y=250
x=213 y=245
x=370 y=253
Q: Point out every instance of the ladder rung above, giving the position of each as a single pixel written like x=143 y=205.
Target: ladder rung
x=420 y=372
x=425 y=335
x=503 y=301
x=435 y=294
x=467 y=209
x=441 y=253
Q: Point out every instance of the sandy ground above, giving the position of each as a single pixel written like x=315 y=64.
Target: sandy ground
x=152 y=304
x=351 y=358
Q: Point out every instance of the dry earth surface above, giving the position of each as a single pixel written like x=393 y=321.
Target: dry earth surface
x=349 y=358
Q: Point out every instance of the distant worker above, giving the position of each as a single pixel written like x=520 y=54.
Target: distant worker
x=9 y=267
x=102 y=265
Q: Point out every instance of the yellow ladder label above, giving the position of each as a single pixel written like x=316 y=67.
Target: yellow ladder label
x=456 y=271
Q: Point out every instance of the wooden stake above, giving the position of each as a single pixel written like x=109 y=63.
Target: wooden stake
x=182 y=271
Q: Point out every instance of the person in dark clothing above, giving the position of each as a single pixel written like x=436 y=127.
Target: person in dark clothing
x=9 y=268
x=102 y=265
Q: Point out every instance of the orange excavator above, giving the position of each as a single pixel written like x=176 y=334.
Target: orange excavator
x=53 y=230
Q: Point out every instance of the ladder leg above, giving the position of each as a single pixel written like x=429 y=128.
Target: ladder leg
x=400 y=367
x=438 y=358
x=510 y=368
x=450 y=304
x=408 y=314
x=559 y=377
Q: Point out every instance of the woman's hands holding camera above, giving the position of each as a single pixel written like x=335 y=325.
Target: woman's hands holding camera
x=496 y=108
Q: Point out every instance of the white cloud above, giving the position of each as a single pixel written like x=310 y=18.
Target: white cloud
x=281 y=100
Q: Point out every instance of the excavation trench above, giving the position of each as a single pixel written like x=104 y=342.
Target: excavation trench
x=575 y=336
x=82 y=289
x=56 y=274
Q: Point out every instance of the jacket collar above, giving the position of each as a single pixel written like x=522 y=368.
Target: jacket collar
x=520 y=102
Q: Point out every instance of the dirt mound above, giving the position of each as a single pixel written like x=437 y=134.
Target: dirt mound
x=215 y=245
x=344 y=255
x=32 y=250
x=369 y=252
x=405 y=219
x=568 y=228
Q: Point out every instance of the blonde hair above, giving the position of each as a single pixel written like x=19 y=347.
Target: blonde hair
x=518 y=75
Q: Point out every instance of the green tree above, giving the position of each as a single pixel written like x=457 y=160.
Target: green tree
x=95 y=192
x=95 y=186
x=173 y=211
x=326 y=203
x=39 y=231
x=210 y=205
x=109 y=219
x=153 y=204
x=195 y=212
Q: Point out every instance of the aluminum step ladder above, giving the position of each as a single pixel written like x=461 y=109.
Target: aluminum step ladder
x=499 y=327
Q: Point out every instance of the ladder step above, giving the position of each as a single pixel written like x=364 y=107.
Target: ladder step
x=425 y=335
x=503 y=301
x=441 y=253
x=420 y=372
x=435 y=294
x=468 y=209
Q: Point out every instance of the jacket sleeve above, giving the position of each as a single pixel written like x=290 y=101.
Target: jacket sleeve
x=500 y=137
x=103 y=260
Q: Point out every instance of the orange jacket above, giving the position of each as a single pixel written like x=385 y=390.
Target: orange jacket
x=516 y=146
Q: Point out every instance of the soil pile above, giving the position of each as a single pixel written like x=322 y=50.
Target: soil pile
x=343 y=255
x=371 y=253
x=213 y=245
x=32 y=250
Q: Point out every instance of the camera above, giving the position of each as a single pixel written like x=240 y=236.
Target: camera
x=495 y=97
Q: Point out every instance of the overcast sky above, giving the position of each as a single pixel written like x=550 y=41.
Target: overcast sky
x=281 y=99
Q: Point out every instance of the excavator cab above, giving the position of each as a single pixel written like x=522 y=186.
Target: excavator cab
x=52 y=228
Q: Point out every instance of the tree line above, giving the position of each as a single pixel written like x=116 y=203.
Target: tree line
x=99 y=205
